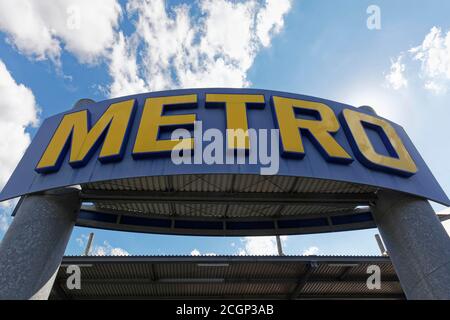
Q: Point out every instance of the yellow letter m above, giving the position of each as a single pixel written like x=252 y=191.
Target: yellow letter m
x=73 y=133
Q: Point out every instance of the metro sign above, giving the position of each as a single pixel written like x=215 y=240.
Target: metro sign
x=130 y=137
x=111 y=131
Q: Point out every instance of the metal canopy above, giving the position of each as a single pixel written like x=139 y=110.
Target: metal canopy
x=227 y=277
x=226 y=205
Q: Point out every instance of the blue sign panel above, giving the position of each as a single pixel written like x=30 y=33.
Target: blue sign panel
x=221 y=131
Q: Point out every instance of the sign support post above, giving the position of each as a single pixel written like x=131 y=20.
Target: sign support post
x=417 y=243
x=33 y=247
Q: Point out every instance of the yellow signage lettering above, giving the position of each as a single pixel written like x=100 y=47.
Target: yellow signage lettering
x=294 y=118
x=147 y=139
x=400 y=163
x=236 y=114
x=83 y=141
x=320 y=130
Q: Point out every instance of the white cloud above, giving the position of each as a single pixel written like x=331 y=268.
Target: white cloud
x=270 y=19
x=260 y=245
x=182 y=47
x=42 y=29
x=106 y=249
x=18 y=110
x=311 y=251
x=82 y=240
x=434 y=55
x=110 y=251
x=202 y=44
x=6 y=208
x=434 y=69
x=435 y=87
x=196 y=252
x=5 y=220
x=124 y=68
x=396 y=78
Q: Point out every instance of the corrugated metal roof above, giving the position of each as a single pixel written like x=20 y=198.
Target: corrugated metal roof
x=231 y=183
x=228 y=277
x=217 y=201
x=218 y=210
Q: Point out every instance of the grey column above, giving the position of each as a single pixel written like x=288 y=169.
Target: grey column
x=32 y=248
x=417 y=243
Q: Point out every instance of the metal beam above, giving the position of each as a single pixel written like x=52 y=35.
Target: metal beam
x=443 y=217
x=152 y=272
x=190 y=281
x=344 y=273
x=324 y=199
x=92 y=260
x=303 y=280
x=87 y=250
x=58 y=292
x=279 y=246
x=256 y=296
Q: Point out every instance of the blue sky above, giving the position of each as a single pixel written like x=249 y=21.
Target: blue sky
x=321 y=48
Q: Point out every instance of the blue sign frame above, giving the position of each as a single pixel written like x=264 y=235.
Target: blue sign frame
x=26 y=179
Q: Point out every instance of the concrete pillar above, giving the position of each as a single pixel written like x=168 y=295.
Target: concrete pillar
x=32 y=248
x=417 y=243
